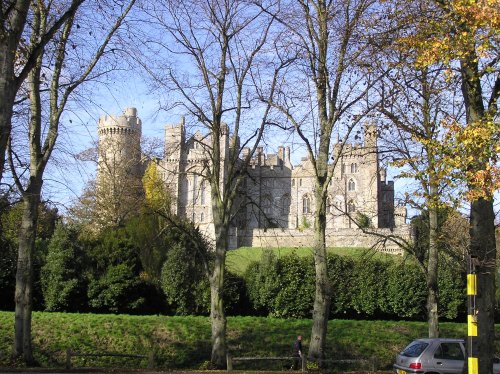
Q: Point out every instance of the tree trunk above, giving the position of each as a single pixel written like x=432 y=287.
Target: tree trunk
x=432 y=266
x=322 y=296
x=24 y=275
x=217 y=312
x=482 y=228
x=483 y=249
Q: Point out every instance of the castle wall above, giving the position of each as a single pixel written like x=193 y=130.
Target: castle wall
x=342 y=237
x=276 y=204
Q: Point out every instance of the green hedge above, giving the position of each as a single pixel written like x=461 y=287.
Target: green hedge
x=361 y=288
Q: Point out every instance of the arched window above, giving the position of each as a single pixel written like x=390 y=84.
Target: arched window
x=267 y=206
x=195 y=186
x=285 y=204
x=351 y=186
x=306 y=205
x=202 y=193
x=351 y=207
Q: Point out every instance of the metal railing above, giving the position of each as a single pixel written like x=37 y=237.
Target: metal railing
x=70 y=353
x=230 y=360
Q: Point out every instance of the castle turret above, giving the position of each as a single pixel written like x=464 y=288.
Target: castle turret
x=119 y=166
x=175 y=137
x=370 y=136
x=173 y=163
x=119 y=142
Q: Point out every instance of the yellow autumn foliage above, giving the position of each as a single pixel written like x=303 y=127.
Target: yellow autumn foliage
x=156 y=193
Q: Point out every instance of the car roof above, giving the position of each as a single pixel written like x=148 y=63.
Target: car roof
x=440 y=340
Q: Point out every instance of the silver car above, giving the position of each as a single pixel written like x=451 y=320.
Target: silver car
x=440 y=356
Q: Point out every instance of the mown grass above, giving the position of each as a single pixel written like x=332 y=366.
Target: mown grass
x=238 y=260
x=184 y=342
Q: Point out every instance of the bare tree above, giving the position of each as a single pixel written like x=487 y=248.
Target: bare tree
x=18 y=57
x=322 y=94
x=46 y=106
x=415 y=134
x=217 y=45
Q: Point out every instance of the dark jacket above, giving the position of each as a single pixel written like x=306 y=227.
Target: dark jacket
x=297 y=348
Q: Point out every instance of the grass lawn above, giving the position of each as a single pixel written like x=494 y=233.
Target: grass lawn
x=238 y=260
x=184 y=342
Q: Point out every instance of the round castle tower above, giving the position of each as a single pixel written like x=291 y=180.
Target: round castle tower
x=119 y=186
x=119 y=143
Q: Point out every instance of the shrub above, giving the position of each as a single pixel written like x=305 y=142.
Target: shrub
x=282 y=287
x=62 y=278
x=296 y=290
x=405 y=291
x=367 y=293
x=262 y=282
x=184 y=282
x=452 y=290
x=340 y=272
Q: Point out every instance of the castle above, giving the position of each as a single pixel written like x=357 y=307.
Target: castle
x=277 y=206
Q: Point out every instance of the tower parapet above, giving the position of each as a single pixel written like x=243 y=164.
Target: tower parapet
x=126 y=124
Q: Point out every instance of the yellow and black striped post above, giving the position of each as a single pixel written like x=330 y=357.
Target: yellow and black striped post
x=472 y=362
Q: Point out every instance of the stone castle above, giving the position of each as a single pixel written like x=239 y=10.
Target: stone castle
x=277 y=206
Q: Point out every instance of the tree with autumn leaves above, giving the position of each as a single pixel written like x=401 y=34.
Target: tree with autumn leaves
x=465 y=36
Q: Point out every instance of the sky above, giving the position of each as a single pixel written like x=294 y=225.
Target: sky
x=67 y=176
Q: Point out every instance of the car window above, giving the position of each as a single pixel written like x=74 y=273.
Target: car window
x=415 y=349
x=449 y=351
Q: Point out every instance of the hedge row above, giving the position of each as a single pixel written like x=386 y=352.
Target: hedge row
x=361 y=288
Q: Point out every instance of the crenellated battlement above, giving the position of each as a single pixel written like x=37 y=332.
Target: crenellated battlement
x=126 y=124
x=260 y=159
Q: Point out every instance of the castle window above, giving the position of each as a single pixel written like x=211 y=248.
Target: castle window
x=267 y=206
x=351 y=207
x=351 y=186
x=202 y=193
x=293 y=182
x=202 y=217
x=354 y=168
x=285 y=204
x=195 y=185
x=343 y=169
x=306 y=205
x=300 y=182
x=338 y=205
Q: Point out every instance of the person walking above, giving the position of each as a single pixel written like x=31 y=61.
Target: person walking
x=297 y=353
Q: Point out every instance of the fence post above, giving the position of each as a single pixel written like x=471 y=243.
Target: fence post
x=229 y=362
x=304 y=363
x=68 y=358
x=151 y=360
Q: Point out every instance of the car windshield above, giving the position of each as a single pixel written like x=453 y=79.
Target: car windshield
x=415 y=349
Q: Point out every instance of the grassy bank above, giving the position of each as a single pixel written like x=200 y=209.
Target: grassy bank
x=238 y=260
x=184 y=342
